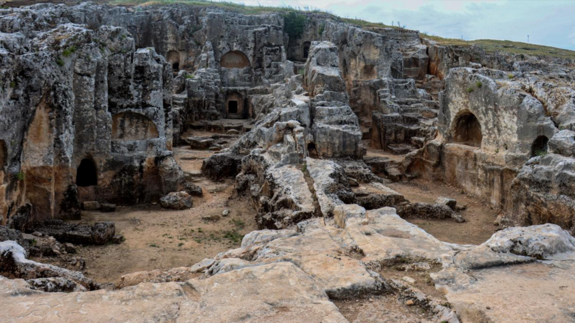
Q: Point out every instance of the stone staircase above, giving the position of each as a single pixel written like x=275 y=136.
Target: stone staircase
x=406 y=119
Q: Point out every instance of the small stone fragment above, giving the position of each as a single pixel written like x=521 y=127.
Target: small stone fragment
x=193 y=190
x=211 y=218
x=451 y=203
x=118 y=238
x=70 y=248
x=91 y=205
x=177 y=201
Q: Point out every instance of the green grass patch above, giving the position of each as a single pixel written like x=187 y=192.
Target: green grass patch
x=69 y=51
x=233 y=236
x=239 y=224
x=21 y=176
x=505 y=46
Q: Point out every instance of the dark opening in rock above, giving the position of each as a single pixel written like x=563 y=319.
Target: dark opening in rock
x=312 y=151
x=236 y=106
x=467 y=130
x=3 y=154
x=233 y=107
x=306 y=46
x=174 y=59
x=539 y=146
x=87 y=174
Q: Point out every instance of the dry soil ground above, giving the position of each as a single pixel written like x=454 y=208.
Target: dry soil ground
x=163 y=239
x=479 y=216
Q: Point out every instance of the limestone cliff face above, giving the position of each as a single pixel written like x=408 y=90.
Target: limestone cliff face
x=85 y=115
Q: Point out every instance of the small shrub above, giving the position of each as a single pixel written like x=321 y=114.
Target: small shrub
x=60 y=61
x=540 y=153
x=469 y=89
x=180 y=244
x=510 y=76
x=300 y=71
x=153 y=245
x=190 y=76
x=12 y=84
x=21 y=176
x=321 y=29
x=69 y=51
x=239 y=224
x=233 y=236
x=294 y=24
x=478 y=84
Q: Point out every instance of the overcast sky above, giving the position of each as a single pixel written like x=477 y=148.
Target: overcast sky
x=547 y=22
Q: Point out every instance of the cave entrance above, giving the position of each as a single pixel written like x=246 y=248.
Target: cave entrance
x=467 y=130
x=233 y=107
x=3 y=154
x=312 y=150
x=87 y=174
x=539 y=146
x=174 y=59
x=306 y=46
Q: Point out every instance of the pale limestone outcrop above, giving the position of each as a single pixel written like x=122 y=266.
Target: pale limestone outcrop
x=255 y=292
x=330 y=185
x=14 y=264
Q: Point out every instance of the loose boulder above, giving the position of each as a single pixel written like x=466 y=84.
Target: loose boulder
x=177 y=201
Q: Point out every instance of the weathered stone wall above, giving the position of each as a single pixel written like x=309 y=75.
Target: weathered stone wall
x=60 y=94
x=519 y=161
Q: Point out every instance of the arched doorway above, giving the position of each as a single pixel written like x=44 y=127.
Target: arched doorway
x=174 y=60
x=306 y=46
x=234 y=59
x=87 y=173
x=467 y=130
x=539 y=146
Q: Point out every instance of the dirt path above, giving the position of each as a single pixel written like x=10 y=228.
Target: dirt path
x=479 y=215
